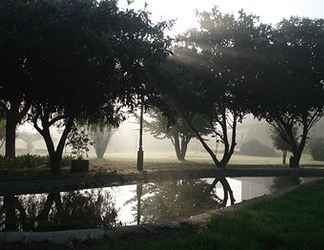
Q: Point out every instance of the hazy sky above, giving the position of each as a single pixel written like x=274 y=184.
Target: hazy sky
x=270 y=11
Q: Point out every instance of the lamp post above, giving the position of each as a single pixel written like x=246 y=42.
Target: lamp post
x=140 y=152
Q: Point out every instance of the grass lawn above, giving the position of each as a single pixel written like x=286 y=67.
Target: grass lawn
x=293 y=221
x=125 y=162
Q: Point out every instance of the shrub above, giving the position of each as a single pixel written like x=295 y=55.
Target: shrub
x=256 y=148
x=316 y=147
x=24 y=161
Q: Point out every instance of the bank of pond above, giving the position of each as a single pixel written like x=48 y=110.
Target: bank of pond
x=141 y=203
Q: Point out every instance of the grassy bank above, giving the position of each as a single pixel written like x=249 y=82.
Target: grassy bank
x=294 y=221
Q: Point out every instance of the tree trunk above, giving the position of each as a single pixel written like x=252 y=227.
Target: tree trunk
x=11 y=125
x=295 y=158
x=177 y=147
x=284 y=157
x=184 y=147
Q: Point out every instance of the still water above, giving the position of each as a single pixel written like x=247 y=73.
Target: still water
x=132 y=204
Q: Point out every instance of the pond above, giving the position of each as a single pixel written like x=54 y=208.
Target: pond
x=154 y=202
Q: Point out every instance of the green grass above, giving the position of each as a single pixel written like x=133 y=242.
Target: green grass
x=294 y=221
x=126 y=163
x=162 y=161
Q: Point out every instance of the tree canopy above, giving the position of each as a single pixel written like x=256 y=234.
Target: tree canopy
x=289 y=90
x=80 y=60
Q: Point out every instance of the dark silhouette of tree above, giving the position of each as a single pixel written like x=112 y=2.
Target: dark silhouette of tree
x=209 y=72
x=74 y=60
x=289 y=90
x=16 y=30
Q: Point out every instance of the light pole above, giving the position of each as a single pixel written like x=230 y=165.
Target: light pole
x=140 y=152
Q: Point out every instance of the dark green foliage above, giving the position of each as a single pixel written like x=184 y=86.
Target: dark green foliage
x=30 y=162
x=209 y=72
x=256 y=148
x=288 y=92
x=73 y=60
x=316 y=148
x=79 y=142
x=63 y=211
x=24 y=161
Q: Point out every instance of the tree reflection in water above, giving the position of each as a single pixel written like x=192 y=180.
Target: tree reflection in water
x=57 y=211
x=166 y=201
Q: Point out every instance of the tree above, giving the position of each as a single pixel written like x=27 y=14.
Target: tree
x=289 y=90
x=17 y=30
x=100 y=137
x=209 y=72
x=163 y=126
x=78 y=50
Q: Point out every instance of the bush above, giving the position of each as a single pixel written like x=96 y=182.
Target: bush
x=316 y=147
x=256 y=148
x=24 y=161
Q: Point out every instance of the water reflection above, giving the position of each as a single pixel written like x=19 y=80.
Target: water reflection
x=168 y=201
x=57 y=211
x=156 y=202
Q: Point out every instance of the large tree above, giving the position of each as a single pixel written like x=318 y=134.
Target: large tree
x=84 y=58
x=289 y=91
x=17 y=31
x=209 y=72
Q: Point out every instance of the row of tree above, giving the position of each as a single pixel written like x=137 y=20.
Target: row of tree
x=70 y=62
x=233 y=66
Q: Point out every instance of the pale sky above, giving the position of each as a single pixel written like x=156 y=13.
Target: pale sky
x=270 y=11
